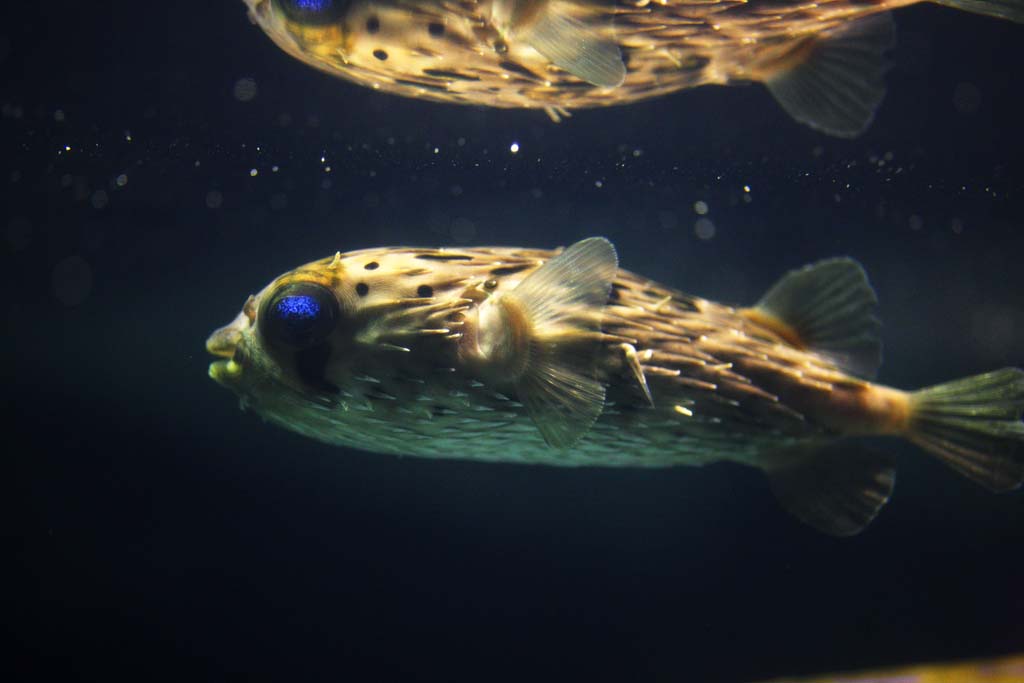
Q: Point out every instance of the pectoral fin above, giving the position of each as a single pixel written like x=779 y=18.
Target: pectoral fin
x=576 y=47
x=562 y=304
x=835 y=83
x=837 y=488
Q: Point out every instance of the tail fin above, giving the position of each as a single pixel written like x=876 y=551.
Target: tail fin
x=974 y=426
x=1000 y=9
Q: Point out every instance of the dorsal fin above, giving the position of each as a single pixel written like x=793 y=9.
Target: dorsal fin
x=827 y=307
x=562 y=302
x=835 y=82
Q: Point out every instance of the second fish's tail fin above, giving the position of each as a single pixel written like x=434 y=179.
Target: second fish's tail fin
x=1012 y=10
x=974 y=426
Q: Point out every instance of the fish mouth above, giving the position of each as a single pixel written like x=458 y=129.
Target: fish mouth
x=224 y=372
x=224 y=343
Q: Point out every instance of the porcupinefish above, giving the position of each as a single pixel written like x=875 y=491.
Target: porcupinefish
x=823 y=61
x=561 y=358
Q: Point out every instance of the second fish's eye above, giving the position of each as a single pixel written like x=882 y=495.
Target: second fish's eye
x=313 y=11
x=299 y=316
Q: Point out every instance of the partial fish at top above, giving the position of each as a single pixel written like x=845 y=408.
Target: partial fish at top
x=823 y=61
x=561 y=358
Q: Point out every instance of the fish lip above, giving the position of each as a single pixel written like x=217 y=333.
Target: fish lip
x=226 y=344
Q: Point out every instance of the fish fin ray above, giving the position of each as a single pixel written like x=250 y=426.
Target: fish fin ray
x=563 y=300
x=838 y=87
x=577 y=48
x=1012 y=10
x=838 y=488
x=827 y=307
x=974 y=426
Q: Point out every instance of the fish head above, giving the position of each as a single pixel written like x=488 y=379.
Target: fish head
x=284 y=337
x=353 y=328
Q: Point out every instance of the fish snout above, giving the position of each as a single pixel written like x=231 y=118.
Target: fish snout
x=224 y=343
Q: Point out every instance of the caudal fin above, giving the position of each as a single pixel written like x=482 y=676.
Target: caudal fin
x=1012 y=10
x=974 y=426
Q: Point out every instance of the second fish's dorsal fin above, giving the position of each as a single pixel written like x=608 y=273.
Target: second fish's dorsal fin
x=834 y=83
x=829 y=308
x=562 y=303
x=576 y=47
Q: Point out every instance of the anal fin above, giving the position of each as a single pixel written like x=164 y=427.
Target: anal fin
x=837 y=80
x=828 y=308
x=837 y=488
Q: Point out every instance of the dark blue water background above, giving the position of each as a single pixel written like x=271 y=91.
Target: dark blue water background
x=159 y=533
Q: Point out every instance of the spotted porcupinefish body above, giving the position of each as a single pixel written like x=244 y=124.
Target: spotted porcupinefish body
x=560 y=358
x=823 y=61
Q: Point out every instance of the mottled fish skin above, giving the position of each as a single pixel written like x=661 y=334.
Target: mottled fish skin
x=487 y=52
x=699 y=359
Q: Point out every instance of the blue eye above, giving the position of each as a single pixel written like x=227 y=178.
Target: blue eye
x=299 y=315
x=313 y=11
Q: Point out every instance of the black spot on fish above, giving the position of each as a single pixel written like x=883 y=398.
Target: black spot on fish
x=695 y=63
x=372 y=265
x=373 y=24
x=450 y=75
x=575 y=85
x=444 y=257
x=380 y=54
x=510 y=270
x=362 y=289
x=436 y=29
x=520 y=70
x=425 y=291
x=311 y=366
x=426 y=85
x=614 y=295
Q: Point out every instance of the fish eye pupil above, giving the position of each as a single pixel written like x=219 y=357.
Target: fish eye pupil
x=299 y=316
x=297 y=309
